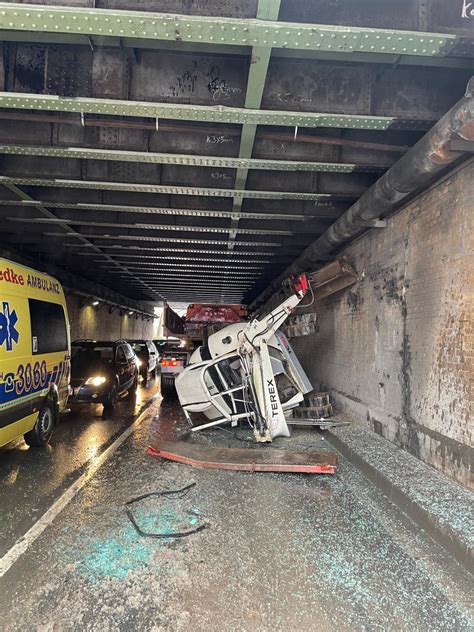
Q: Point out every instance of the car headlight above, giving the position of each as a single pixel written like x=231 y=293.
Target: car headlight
x=97 y=380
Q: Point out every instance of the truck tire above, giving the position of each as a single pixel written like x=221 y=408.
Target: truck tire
x=167 y=388
x=41 y=432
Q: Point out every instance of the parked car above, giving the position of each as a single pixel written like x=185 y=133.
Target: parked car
x=172 y=364
x=34 y=354
x=147 y=356
x=102 y=371
x=167 y=344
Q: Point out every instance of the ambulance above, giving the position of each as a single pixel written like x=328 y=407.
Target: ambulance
x=35 y=354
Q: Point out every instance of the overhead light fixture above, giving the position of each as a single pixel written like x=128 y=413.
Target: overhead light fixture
x=95 y=303
x=130 y=313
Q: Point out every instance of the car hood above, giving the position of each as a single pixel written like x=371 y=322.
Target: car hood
x=80 y=372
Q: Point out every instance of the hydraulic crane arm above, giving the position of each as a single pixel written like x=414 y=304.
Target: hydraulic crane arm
x=270 y=418
x=244 y=372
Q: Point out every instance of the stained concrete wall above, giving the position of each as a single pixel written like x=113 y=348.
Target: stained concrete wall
x=397 y=349
x=98 y=323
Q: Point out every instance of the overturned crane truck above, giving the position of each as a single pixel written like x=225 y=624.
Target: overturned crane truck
x=201 y=320
x=247 y=371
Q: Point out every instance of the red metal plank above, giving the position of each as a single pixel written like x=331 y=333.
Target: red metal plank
x=247 y=459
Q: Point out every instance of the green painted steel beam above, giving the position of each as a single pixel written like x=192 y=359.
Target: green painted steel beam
x=258 y=70
x=171 y=271
x=46 y=213
x=190 y=276
x=230 y=31
x=206 y=294
x=180 y=240
x=194 y=296
x=175 y=159
x=142 y=226
x=149 y=210
x=236 y=282
x=171 y=251
x=190 y=292
x=203 y=113
x=375 y=58
x=168 y=189
x=181 y=260
x=187 y=280
x=223 y=49
x=201 y=294
x=246 y=141
x=167 y=264
x=96 y=41
x=168 y=285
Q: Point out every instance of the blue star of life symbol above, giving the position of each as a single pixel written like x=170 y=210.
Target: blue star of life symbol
x=8 y=331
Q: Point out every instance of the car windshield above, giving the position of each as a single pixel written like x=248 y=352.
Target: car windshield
x=85 y=358
x=140 y=347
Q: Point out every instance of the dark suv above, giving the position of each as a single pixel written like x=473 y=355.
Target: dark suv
x=147 y=356
x=101 y=371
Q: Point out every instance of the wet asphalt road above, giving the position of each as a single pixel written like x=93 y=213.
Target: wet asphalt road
x=281 y=552
x=31 y=479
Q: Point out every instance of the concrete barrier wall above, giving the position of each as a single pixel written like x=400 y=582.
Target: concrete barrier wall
x=98 y=323
x=396 y=350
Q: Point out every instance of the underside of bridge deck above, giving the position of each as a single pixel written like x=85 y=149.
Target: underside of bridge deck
x=196 y=155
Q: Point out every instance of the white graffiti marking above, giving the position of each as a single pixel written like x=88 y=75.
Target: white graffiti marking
x=467 y=10
x=289 y=97
x=218 y=140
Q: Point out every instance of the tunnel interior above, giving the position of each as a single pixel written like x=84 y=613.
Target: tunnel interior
x=214 y=156
x=171 y=152
x=131 y=162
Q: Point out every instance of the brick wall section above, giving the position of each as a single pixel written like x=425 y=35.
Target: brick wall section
x=97 y=323
x=397 y=349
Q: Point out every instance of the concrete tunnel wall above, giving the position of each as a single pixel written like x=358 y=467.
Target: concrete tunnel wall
x=98 y=323
x=396 y=350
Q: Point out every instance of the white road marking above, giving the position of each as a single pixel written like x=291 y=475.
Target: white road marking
x=23 y=543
